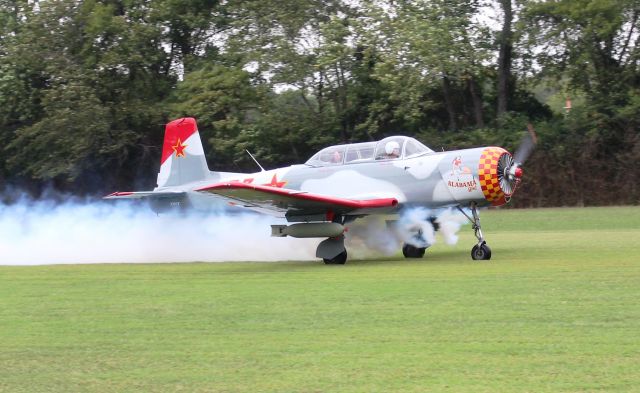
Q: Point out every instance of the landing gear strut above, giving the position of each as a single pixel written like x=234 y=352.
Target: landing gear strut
x=480 y=251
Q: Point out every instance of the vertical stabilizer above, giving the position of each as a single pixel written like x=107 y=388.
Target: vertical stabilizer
x=183 y=158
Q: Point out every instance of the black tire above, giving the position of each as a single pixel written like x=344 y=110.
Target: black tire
x=339 y=259
x=410 y=251
x=481 y=252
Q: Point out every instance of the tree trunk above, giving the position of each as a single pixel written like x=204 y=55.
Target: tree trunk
x=477 y=101
x=320 y=93
x=448 y=100
x=504 y=58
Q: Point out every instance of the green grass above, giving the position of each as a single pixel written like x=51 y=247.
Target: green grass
x=556 y=309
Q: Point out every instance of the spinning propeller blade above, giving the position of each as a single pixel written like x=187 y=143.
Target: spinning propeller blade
x=513 y=172
x=526 y=146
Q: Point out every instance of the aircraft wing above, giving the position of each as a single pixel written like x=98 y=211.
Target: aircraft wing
x=293 y=202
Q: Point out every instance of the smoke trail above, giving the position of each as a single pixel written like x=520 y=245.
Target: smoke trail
x=373 y=235
x=368 y=236
x=41 y=232
x=415 y=228
x=48 y=232
x=450 y=222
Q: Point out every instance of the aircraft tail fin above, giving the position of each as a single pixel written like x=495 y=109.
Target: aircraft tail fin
x=183 y=159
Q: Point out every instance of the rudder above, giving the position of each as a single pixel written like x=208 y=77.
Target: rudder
x=183 y=159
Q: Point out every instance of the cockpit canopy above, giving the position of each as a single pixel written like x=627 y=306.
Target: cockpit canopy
x=391 y=148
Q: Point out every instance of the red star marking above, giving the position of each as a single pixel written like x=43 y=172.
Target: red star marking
x=275 y=182
x=179 y=148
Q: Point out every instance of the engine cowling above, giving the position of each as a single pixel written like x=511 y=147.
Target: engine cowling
x=480 y=175
x=493 y=175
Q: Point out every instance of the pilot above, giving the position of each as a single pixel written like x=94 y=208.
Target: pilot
x=337 y=157
x=392 y=150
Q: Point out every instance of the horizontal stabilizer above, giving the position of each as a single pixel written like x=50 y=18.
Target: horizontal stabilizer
x=142 y=194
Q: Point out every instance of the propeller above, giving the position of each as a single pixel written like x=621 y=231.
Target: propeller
x=509 y=168
x=526 y=146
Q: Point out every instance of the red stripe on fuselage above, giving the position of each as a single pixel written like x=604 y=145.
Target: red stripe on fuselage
x=180 y=129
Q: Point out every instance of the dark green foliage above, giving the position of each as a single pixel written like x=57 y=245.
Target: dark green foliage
x=90 y=78
x=86 y=87
x=225 y=103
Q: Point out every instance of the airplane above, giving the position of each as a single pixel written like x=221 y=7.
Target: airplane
x=340 y=184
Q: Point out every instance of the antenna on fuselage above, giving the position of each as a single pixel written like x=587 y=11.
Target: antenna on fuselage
x=254 y=160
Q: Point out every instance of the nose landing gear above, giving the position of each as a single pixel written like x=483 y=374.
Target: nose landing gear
x=480 y=251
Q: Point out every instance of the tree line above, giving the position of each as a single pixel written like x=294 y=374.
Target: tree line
x=86 y=86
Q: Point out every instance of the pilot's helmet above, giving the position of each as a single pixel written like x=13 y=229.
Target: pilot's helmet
x=392 y=148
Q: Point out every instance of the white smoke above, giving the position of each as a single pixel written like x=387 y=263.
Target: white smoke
x=373 y=234
x=38 y=233
x=450 y=222
x=79 y=232
x=415 y=228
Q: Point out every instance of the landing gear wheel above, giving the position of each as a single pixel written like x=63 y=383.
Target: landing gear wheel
x=481 y=252
x=410 y=251
x=339 y=259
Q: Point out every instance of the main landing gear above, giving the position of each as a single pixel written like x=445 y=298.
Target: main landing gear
x=413 y=251
x=410 y=251
x=480 y=251
x=332 y=251
x=339 y=259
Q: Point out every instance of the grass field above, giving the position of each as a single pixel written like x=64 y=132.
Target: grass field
x=556 y=309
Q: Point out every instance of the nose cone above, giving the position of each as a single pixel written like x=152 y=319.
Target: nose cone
x=518 y=173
